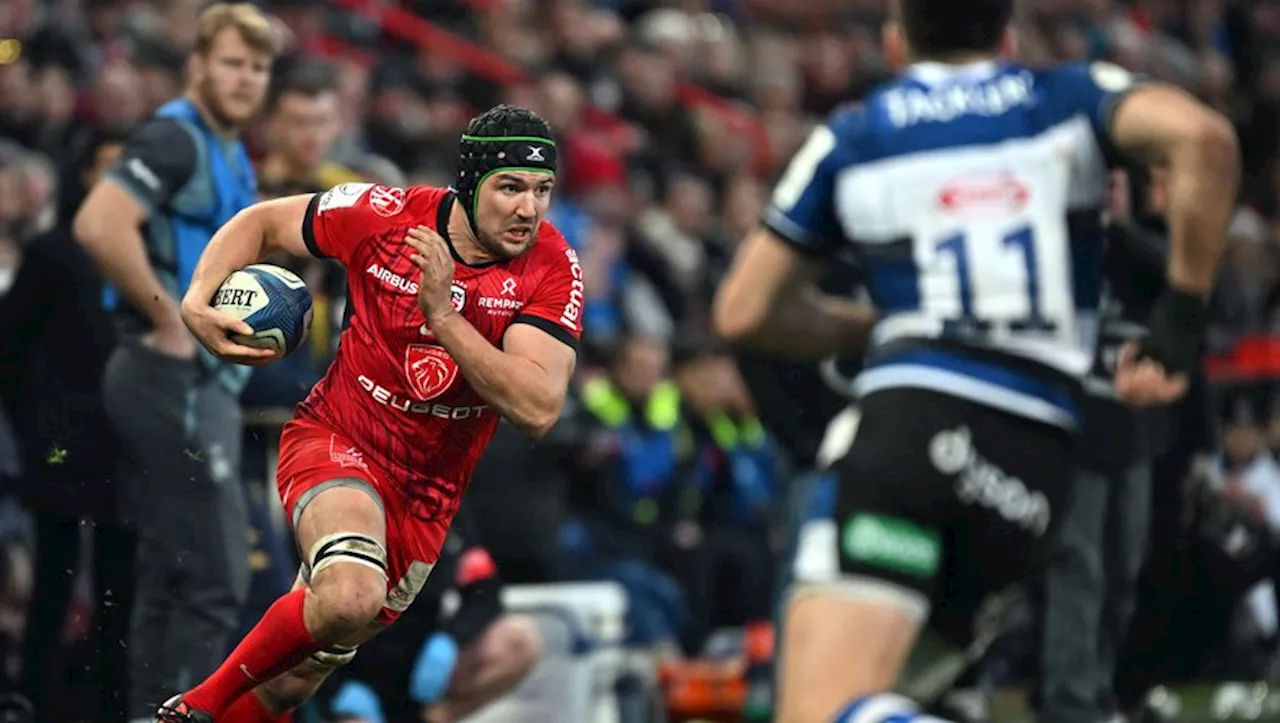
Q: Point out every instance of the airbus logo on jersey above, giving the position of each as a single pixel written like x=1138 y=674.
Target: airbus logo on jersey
x=990 y=194
x=908 y=106
x=395 y=281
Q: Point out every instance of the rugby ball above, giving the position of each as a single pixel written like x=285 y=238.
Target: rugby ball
x=273 y=300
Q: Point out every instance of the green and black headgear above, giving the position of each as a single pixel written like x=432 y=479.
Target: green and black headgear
x=503 y=138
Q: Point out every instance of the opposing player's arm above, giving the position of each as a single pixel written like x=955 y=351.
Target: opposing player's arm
x=1160 y=125
x=155 y=163
x=770 y=299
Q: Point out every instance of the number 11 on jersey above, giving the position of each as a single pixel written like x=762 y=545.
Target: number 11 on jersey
x=1023 y=241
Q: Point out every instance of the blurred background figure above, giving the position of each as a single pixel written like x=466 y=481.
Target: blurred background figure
x=175 y=410
x=60 y=337
x=302 y=125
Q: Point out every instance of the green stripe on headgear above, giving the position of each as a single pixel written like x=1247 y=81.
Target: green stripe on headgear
x=513 y=148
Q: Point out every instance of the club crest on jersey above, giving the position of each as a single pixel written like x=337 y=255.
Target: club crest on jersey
x=430 y=370
x=386 y=201
x=457 y=295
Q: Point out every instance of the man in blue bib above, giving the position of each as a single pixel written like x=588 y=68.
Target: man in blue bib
x=176 y=409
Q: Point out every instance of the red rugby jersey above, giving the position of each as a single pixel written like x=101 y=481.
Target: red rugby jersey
x=392 y=390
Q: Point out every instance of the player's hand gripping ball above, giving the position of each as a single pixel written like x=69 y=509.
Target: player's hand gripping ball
x=273 y=307
x=431 y=256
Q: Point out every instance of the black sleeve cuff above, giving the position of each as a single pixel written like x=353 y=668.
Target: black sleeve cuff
x=550 y=327
x=309 y=230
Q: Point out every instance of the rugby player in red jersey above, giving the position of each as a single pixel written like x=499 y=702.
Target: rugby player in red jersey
x=465 y=307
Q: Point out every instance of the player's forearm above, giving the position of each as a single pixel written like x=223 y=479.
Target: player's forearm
x=810 y=326
x=519 y=389
x=239 y=243
x=1203 y=179
x=121 y=255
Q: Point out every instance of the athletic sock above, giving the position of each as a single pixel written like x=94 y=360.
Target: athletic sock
x=249 y=708
x=276 y=644
x=882 y=708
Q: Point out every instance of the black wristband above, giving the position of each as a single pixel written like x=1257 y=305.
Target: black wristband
x=1177 y=326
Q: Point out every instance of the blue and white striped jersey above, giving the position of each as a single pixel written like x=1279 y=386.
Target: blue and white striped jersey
x=972 y=196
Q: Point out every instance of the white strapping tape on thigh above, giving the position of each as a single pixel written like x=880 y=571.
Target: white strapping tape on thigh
x=817 y=570
x=910 y=603
x=348 y=547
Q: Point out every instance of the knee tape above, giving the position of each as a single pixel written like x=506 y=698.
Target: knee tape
x=347 y=547
x=334 y=656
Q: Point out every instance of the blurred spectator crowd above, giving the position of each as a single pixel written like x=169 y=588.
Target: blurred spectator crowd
x=672 y=119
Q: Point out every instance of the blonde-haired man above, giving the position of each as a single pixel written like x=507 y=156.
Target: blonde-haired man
x=180 y=177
